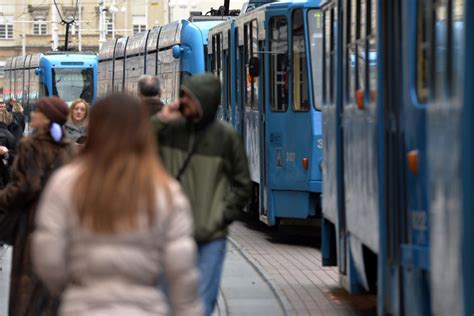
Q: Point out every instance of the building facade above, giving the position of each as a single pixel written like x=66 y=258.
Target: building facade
x=32 y=26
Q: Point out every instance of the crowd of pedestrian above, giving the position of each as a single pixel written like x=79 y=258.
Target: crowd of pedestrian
x=134 y=220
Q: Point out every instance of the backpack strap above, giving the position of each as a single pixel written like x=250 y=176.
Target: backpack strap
x=190 y=154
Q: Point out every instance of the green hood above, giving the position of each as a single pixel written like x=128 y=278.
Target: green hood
x=206 y=88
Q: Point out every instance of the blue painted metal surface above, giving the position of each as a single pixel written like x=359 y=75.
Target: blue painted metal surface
x=284 y=148
x=172 y=52
x=449 y=130
x=34 y=78
x=467 y=166
x=423 y=206
x=193 y=41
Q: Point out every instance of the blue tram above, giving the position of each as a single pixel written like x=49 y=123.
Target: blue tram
x=67 y=75
x=269 y=61
x=397 y=125
x=172 y=51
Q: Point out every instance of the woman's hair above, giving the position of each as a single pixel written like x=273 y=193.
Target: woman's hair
x=6 y=117
x=71 y=109
x=120 y=168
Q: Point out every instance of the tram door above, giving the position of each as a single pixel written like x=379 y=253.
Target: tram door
x=287 y=117
x=446 y=150
x=409 y=222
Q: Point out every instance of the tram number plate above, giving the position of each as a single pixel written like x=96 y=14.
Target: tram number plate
x=290 y=157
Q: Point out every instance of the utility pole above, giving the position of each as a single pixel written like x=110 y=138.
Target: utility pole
x=23 y=35
x=101 y=23
x=54 y=26
x=125 y=12
x=146 y=14
x=79 y=24
x=226 y=7
x=113 y=8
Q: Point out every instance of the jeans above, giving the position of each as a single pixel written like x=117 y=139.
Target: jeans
x=211 y=257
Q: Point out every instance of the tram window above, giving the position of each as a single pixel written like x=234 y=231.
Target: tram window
x=457 y=29
x=251 y=50
x=315 y=24
x=228 y=67
x=329 y=50
x=300 y=67
x=440 y=59
x=216 y=55
x=73 y=83
x=362 y=14
x=327 y=54
x=350 y=60
x=372 y=21
x=220 y=57
x=247 y=54
x=254 y=81
x=353 y=21
x=372 y=56
x=279 y=64
x=422 y=47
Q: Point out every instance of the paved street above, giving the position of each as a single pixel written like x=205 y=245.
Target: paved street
x=5 y=266
x=293 y=266
x=265 y=273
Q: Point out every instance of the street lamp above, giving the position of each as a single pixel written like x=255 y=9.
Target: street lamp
x=113 y=10
x=171 y=5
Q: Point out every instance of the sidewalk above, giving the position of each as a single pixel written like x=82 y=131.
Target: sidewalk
x=294 y=269
x=5 y=267
x=244 y=291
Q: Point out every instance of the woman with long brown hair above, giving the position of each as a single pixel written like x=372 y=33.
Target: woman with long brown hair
x=111 y=223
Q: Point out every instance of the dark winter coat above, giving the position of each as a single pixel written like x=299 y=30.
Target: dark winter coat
x=152 y=105
x=37 y=157
x=17 y=126
x=74 y=132
x=8 y=140
x=216 y=180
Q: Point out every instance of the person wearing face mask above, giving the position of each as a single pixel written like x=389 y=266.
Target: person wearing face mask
x=76 y=126
x=37 y=156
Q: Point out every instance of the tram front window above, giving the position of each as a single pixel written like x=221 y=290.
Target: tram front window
x=73 y=83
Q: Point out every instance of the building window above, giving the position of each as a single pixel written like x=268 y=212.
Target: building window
x=6 y=27
x=109 y=25
x=39 y=26
x=139 y=23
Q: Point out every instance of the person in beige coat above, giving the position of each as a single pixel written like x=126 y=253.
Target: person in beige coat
x=113 y=223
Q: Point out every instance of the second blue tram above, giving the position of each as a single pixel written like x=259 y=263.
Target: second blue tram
x=67 y=75
x=172 y=51
x=269 y=61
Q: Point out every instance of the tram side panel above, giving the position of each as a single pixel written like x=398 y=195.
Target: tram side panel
x=449 y=276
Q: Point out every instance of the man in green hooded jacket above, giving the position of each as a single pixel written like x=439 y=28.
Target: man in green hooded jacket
x=208 y=158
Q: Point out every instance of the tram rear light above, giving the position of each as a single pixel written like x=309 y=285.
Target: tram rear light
x=360 y=99
x=412 y=158
x=305 y=162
